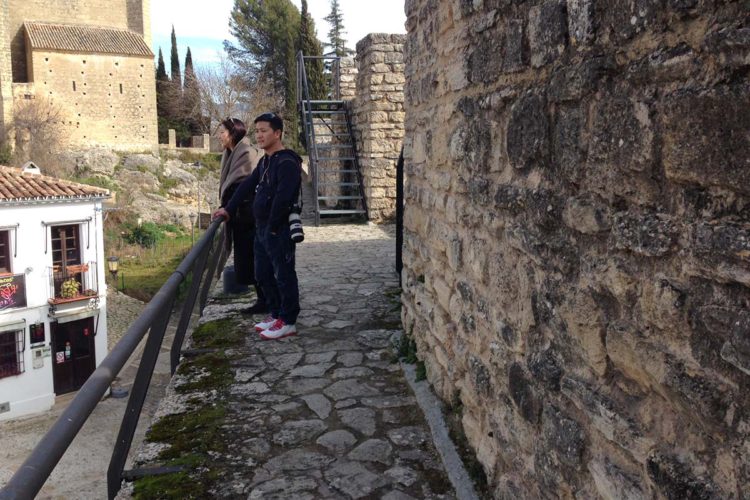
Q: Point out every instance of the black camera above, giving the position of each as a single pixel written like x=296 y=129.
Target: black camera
x=295 y=225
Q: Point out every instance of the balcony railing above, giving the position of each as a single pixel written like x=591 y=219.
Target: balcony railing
x=72 y=283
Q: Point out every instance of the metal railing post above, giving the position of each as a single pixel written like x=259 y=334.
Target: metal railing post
x=215 y=258
x=187 y=309
x=135 y=402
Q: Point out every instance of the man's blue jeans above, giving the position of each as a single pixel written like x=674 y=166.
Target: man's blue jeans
x=274 y=272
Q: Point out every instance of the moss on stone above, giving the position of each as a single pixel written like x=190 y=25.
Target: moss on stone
x=176 y=485
x=193 y=436
x=206 y=372
x=218 y=334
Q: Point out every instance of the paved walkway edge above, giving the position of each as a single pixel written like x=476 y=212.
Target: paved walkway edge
x=431 y=408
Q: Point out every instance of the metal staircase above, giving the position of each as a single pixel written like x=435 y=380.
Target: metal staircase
x=338 y=190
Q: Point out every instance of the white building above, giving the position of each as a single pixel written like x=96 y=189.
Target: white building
x=53 y=322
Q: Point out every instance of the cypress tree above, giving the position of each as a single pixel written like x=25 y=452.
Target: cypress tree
x=161 y=70
x=175 y=61
x=192 y=98
x=162 y=99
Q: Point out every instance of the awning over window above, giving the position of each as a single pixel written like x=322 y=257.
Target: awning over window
x=12 y=325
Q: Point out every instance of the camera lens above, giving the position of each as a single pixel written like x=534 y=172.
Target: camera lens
x=295 y=228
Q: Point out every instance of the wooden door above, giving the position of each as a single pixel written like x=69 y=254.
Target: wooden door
x=73 y=354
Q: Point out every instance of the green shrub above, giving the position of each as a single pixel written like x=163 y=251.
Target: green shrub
x=145 y=235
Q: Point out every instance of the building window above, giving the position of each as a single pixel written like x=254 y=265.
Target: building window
x=11 y=353
x=5 y=252
x=66 y=255
x=121 y=88
x=74 y=86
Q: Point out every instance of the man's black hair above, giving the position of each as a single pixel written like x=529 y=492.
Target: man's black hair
x=275 y=120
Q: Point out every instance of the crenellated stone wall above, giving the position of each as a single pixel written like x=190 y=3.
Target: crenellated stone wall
x=577 y=240
x=378 y=119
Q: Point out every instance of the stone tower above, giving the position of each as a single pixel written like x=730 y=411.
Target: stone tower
x=89 y=58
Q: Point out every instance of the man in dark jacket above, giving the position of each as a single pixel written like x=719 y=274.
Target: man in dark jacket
x=276 y=183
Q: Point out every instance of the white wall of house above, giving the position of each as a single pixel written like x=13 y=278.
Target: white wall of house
x=32 y=391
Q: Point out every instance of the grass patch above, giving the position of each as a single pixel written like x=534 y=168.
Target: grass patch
x=406 y=349
x=143 y=280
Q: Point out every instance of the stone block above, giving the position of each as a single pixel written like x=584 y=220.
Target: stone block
x=379 y=68
x=585 y=215
x=649 y=234
x=580 y=22
x=622 y=135
x=736 y=350
x=547 y=32
x=675 y=479
x=544 y=366
x=394 y=78
x=567 y=151
x=523 y=395
x=615 y=417
x=726 y=241
x=564 y=435
x=515 y=49
x=586 y=323
x=370 y=59
x=470 y=145
x=732 y=44
x=707 y=397
x=527 y=137
x=480 y=377
x=614 y=483
x=666 y=65
x=634 y=355
x=483 y=65
x=396 y=57
x=705 y=138
x=573 y=82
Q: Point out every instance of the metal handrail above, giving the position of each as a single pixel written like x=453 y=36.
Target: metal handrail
x=355 y=155
x=31 y=476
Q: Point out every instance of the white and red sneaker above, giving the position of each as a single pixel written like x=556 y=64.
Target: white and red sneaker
x=265 y=324
x=278 y=330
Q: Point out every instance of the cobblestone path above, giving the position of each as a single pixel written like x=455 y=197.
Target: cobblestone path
x=326 y=414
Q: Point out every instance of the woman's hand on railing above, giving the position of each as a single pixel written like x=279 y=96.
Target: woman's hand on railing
x=221 y=213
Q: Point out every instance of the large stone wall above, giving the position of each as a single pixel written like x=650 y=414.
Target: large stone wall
x=96 y=112
x=577 y=246
x=378 y=119
x=104 y=99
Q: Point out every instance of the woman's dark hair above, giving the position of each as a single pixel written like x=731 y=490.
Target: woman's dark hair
x=236 y=129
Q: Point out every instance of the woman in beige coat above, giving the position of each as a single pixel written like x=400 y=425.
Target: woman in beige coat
x=237 y=162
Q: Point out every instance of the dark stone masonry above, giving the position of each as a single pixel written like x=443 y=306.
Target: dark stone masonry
x=577 y=244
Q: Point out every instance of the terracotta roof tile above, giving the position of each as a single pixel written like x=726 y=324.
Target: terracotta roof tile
x=88 y=39
x=18 y=186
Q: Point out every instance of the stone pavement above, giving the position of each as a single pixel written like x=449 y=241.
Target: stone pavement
x=326 y=414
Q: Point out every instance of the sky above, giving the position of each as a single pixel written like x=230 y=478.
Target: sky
x=203 y=26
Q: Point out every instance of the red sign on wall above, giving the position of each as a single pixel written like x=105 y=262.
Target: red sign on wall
x=12 y=291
